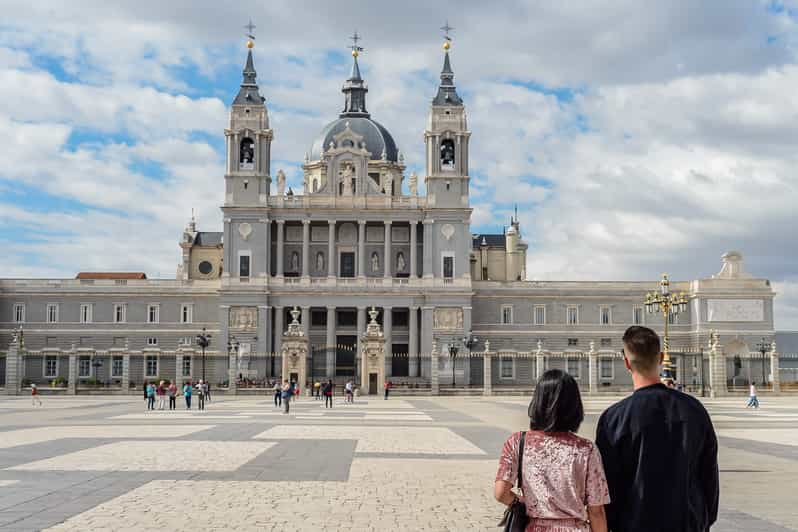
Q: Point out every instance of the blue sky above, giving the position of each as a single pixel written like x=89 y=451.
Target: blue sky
x=635 y=139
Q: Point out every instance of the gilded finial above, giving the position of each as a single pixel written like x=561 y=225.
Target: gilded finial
x=355 y=48
x=447 y=43
x=250 y=34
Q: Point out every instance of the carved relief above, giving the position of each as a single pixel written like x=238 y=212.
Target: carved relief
x=447 y=318
x=244 y=318
x=244 y=229
x=740 y=310
x=447 y=231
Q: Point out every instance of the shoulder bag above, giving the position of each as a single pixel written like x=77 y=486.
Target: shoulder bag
x=515 y=518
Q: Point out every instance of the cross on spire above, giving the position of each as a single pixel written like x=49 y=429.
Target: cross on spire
x=354 y=47
x=250 y=30
x=446 y=29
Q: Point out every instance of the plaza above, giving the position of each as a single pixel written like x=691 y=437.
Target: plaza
x=409 y=463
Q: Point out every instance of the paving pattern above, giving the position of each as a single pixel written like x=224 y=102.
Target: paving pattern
x=423 y=463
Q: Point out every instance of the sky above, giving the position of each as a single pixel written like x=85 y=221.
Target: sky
x=635 y=137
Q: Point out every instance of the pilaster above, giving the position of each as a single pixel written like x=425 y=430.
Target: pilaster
x=774 y=371
x=305 y=248
x=72 y=375
x=280 y=248
x=331 y=343
x=487 y=386
x=413 y=365
x=434 y=371
x=387 y=329
x=126 y=369
x=387 y=260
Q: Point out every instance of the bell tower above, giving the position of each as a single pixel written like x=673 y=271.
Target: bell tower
x=248 y=142
x=446 y=139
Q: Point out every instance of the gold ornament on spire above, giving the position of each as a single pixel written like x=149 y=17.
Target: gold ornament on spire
x=447 y=43
x=355 y=48
x=250 y=34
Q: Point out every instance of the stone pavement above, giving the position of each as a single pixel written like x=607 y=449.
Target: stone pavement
x=421 y=463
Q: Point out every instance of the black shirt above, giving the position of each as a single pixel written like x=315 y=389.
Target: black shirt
x=660 y=456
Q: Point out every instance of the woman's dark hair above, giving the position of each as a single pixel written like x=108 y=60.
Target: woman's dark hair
x=557 y=404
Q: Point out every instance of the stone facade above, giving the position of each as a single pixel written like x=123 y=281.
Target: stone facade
x=358 y=236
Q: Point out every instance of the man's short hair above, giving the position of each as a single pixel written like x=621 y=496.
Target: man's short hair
x=642 y=348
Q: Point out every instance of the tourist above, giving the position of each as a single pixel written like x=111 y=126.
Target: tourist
x=278 y=394
x=387 y=387
x=34 y=394
x=561 y=476
x=151 y=396
x=317 y=390
x=348 y=393
x=208 y=391
x=294 y=390
x=201 y=395
x=286 y=392
x=160 y=391
x=752 y=399
x=187 y=390
x=145 y=387
x=172 y=395
x=329 y=389
x=659 y=449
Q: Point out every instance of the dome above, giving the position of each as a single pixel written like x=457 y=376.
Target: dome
x=376 y=137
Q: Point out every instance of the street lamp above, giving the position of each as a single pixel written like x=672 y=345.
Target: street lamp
x=763 y=347
x=203 y=340
x=453 y=356
x=669 y=304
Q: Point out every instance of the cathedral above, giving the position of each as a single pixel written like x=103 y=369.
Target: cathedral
x=359 y=235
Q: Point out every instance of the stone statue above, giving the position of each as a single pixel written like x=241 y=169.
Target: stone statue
x=375 y=262
x=773 y=346
x=713 y=341
x=305 y=184
x=413 y=184
x=294 y=261
x=280 y=182
x=592 y=345
x=347 y=175
x=400 y=262
x=387 y=184
x=540 y=347
x=487 y=346
x=319 y=261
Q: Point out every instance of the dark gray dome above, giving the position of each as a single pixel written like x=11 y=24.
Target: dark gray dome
x=374 y=135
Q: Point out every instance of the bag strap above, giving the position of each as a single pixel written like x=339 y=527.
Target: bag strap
x=521 y=458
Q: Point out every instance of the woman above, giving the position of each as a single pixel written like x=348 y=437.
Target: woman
x=563 y=483
x=172 y=395
x=188 y=388
x=150 y=396
x=161 y=393
x=329 y=389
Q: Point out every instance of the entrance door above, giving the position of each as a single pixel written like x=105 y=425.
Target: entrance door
x=345 y=356
x=372 y=384
x=347 y=264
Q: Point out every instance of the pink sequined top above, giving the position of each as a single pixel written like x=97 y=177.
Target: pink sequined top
x=562 y=474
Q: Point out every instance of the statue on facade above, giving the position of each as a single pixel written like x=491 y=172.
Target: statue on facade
x=280 y=182
x=387 y=184
x=375 y=262
x=294 y=261
x=400 y=262
x=713 y=341
x=319 y=261
x=346 y=176
x=305 y=184
x=413 y=184
x=539 y=351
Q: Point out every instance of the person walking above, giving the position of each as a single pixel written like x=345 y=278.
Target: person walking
x=34 y=394
x=659 y=450
x=317 y=390
x=387 y=387
x=329 y=389
x=200 y=395
x=145 y=387
x=348 y=393
x=560 y=474
x=752 y=399
x=172 y=390
x=151 y=396
x=187 y=391
x=160 y=391
x=208 y=391
x=278 y=394
x=286 y=394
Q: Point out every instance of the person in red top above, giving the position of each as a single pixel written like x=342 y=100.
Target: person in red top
x=387 y=386
x=329 y=389
x=34 y=393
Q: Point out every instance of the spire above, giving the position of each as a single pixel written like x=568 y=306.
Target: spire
x=354 y=88
x=447 y=93
x=248 y=93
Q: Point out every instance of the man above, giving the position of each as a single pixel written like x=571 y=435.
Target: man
x=752 y=400
x=201 y=395
x=659 y=450
x=287 y=392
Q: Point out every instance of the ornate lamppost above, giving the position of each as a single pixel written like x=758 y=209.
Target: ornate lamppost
x=453 y=356
x=203 y=341
x=763 y=347
x=669 y=304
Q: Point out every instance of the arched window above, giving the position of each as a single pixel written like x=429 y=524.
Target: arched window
x=247 y=154
x=447 y=154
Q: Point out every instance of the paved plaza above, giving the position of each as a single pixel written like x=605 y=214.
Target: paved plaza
x=410 y=463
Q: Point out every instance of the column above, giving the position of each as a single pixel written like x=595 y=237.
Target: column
x=466 y=359
x=306 y=322
x=412 y=347
x=14 y=370
x=227 y=231
x=433 y=374
x=331 y=258
x=361 y=329
x=280 y=246
x=232 y=375
x=427 y=267
x=268 y=242
x=387 y=331
x=361 y=248
x=592 y=371
x=487 y=380
x=224 y=336
x=72 y=376
x=305 y=248
x=386 y=255
x=774 y=371
x=179 y=366
x=330 y=347
x=426 y=333
x=279 y=313
x=262 y=346
x=126 y=370
x=413 y=249
x=540 y=366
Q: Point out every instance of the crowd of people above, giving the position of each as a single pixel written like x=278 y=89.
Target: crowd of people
x=168 y=389
x=653 y=466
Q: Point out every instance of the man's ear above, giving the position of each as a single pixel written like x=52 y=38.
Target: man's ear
x=627 y=364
